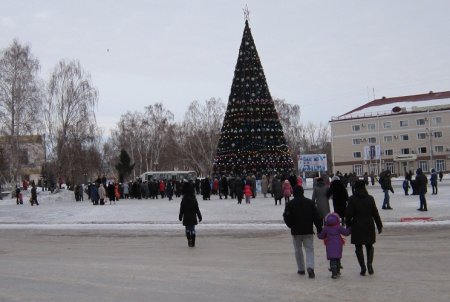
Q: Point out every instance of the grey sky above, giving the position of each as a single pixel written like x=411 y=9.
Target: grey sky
x=326 y=56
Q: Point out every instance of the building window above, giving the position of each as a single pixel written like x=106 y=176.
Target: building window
x=371 y=127
x=404 y=123
x=436 y=120
x=356 y=128
x=404 y=150
x=440 y=164
x=357 y=154
x=387 y=125
x=389 y=166
x=373 y=168
x=421 y=135
x=437 y=134
x=358 y=169
x=420 y=122
x=404 y=137
x=356 y=141
x=438 y=149
x=388 y=138
x=372 y=140
x=422 y=150
x=388 y=152
x=423 y=164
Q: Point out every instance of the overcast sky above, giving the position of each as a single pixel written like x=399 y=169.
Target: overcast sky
x=329 y=57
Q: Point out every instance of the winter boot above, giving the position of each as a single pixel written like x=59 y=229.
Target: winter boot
x=334 y=273
x=360 y=256
x=370 y=252
x=192 y=240
x=334 y=265
x=189 y=239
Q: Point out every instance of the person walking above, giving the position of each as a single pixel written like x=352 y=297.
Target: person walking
x=405 y=184
x=169 y=190
x=277 y=190
x=189 y=211
x=287 y=191
x=332 y=236
x=433 y=181
x=386 y=186
x=18 y=195
x=300 y=214
x=248 y=191
x=362 y=216
x=421 y=183
x=264 y=185
x=366 y=178
x=320 y=197
x=223 y=187
x=102 y=194
x=94 y=194
x=206 y=189
x=33 y=198
x=339 y=195
x=239 y=189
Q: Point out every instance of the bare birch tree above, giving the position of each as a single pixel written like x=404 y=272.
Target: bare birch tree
x=144 y=136
x=199 y=133
x=301 y=138
x=159 y=121
x=69 y=114
x=20 y=99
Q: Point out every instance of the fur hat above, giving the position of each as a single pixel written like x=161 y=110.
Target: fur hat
x=298 y=191
x=360 y=184
x=335 y=177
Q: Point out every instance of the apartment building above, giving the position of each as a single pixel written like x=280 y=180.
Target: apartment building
x=398 y=134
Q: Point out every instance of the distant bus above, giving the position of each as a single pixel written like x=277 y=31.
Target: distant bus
x=168 y=175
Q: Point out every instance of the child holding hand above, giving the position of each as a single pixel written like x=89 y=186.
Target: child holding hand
x=331 y=234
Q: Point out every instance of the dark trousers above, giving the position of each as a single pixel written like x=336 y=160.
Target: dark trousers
x=423 y=201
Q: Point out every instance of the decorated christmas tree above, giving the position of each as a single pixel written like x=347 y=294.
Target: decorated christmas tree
x=252 y=139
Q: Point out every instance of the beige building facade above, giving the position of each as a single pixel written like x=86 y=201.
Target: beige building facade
x=398 y=134
x=31 y=155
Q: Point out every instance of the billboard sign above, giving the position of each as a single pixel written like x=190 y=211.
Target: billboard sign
x=312 y=163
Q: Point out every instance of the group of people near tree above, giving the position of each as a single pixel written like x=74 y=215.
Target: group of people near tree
x=102 y=190
x=245 y=187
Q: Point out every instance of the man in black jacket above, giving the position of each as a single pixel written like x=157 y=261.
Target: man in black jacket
x=386 y=186
x=421 y=182
x=300 y=215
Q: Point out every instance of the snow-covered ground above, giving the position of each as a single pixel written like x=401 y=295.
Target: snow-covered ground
x=61 y=211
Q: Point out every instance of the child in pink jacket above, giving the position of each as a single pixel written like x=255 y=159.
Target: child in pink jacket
x=287 y=190
x=248 y=191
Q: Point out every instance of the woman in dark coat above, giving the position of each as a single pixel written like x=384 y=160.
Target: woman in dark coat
x=189 y=211
x=239 y=189
x=361 y=215
x=338 y=193
x=206 y=189
x=277 y=190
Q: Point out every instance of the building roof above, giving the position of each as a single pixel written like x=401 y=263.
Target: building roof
x=409 y=103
